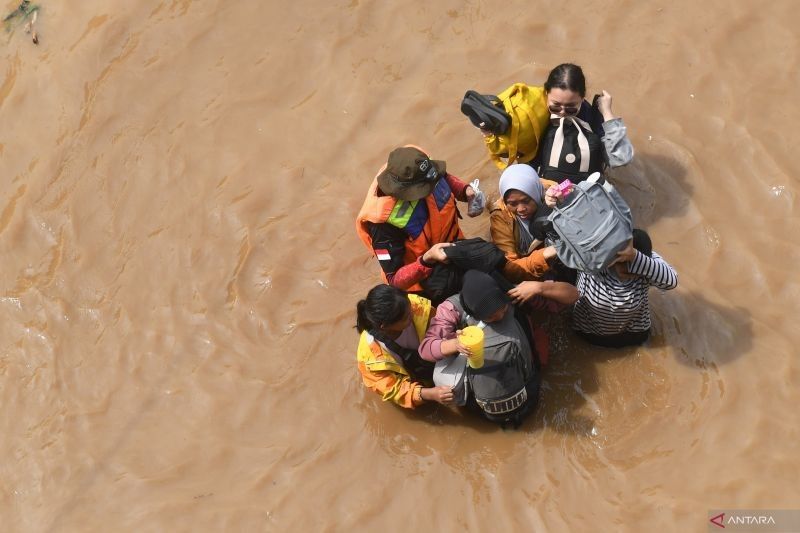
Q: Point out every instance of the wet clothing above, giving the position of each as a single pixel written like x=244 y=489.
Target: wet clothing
x=609 y=306
x=382 y=370
x=506 y=231
x=398 y=233
x=444 y=324
x=619 y=340
x=506 y=388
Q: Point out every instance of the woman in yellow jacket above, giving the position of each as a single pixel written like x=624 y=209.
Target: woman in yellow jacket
x=392 y=323
x=536 y=116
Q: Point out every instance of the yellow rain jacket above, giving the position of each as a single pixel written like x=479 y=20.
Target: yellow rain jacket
x=383 y=373
x=527 y=107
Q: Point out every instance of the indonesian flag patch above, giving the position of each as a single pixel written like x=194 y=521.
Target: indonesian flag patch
x=383 y=255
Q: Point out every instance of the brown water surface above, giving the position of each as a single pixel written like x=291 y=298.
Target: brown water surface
x=180 y=267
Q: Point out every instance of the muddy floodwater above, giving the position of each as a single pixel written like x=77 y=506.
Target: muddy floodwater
x=180 y=267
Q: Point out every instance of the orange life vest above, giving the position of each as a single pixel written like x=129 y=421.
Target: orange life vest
x=426 y=222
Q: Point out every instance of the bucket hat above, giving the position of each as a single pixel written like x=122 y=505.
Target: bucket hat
x=410 y=174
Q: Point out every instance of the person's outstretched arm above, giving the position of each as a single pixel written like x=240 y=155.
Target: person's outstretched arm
x=556 y=291
x=389 y=246
x=462 y=191
x=400 y=389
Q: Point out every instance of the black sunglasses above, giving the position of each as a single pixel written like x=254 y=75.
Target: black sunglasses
x=568 y=109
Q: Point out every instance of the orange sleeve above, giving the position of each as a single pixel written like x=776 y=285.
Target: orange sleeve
x=518 y=269
x=392 y=386
x=529 y=268
x=501 y=228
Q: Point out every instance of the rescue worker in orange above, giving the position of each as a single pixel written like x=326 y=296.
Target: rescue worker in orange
x=410 y=215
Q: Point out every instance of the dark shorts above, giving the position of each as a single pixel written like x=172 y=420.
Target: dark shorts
x=619 y=340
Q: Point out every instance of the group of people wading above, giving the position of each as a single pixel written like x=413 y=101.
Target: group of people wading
x=547 y=141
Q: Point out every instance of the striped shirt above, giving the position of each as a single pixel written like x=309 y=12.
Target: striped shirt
x=608 y=305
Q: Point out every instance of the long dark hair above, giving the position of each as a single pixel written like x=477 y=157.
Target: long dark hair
x=642 y=242
x=383 y=305
x=568 y=77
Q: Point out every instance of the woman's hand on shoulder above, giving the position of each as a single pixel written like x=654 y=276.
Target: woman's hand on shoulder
x=525 y=291
x=435 y=253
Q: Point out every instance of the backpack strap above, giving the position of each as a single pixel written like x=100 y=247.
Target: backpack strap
x=418 y=367
x=520 y=102
x=533 y=119
x=558 y=144
x=564 y=241
x=623 y=211
x=513 y=137
x=514 y=101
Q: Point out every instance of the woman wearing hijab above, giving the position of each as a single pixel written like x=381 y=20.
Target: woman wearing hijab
x=518 y=224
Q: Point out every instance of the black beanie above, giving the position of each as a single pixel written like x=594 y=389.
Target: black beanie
x=481 y=296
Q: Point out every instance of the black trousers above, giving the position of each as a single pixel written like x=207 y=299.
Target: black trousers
x=619 y=340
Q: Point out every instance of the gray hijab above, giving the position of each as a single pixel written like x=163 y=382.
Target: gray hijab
x=523 y=178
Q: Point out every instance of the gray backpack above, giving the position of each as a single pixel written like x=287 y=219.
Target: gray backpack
x=593 y=224
x=500 y=386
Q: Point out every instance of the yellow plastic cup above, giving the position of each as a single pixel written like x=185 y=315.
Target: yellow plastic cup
x=472 y=338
